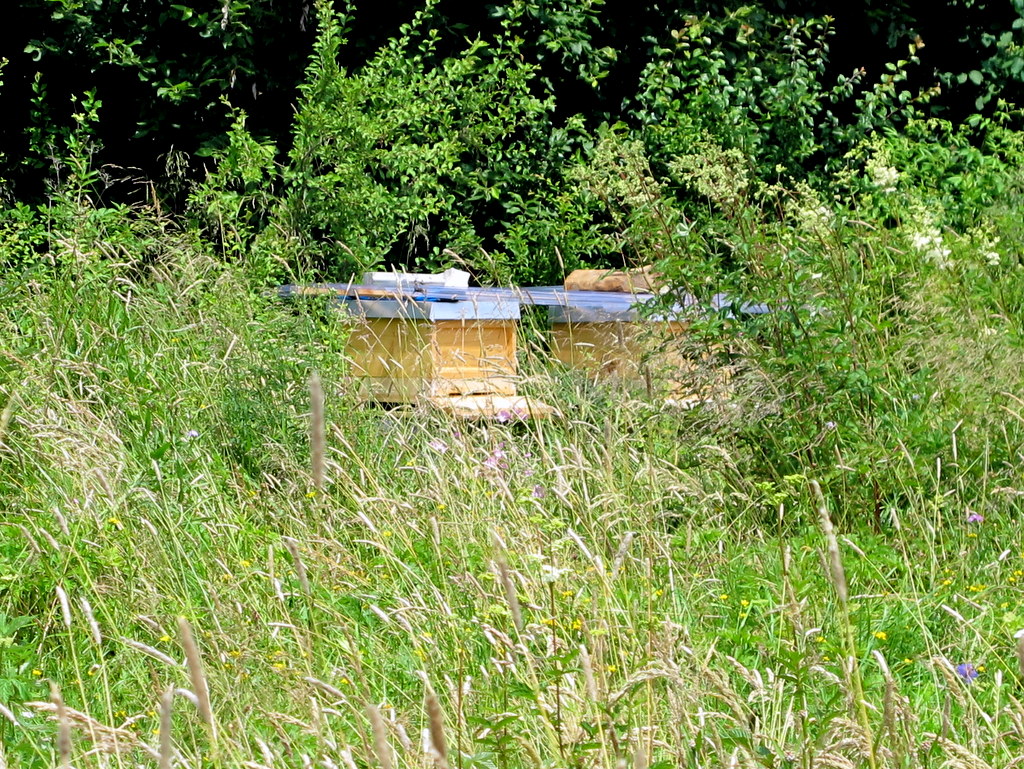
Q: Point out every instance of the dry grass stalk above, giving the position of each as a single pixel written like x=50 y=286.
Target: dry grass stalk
x=5 y=420
x=620 y=554
x=954 y=683
x=325 y=687
x=380 y=737
x=960 y=757
x=105 y=739
x=511 y=596
x=838 y=577
x=889 y=700
x=30 y=539
x=166 y=706
x=1020 y=653
x=154 y=653
x=65 y=606
x=8 y=714
x=436 y=728
x=588 y=673
x=195 y=672
x=300 y=568
x=317 y=432
x=63 y=727
x=836 y=572
x=268 y=755
x=94 y=627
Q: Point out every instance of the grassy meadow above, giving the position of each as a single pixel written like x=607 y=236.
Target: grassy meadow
x=613 y=587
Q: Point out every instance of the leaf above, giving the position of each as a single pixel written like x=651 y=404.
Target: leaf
x=975 y=76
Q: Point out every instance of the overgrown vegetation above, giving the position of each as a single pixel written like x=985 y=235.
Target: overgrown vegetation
x=819 y=567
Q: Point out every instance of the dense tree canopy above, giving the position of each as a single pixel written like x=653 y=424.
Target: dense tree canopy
x=168 y=73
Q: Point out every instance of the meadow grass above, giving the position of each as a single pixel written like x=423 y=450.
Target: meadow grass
x=212 y=555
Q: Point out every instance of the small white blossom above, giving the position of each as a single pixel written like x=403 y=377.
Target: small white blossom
x=884 y=177
x=991 y=258
x=549 y=574
x=930 y=245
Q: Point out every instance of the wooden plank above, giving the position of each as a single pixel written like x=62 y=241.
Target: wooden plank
x=498 y=407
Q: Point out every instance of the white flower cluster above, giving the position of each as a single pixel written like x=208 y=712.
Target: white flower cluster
x=884 y=177
x=817 y=219
x=928 y=242
x=809 y=214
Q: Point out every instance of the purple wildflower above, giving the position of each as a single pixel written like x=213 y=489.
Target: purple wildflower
x=539 y=492
x=967 y=671
x=438 y=445
x=191 y=434
x=975 y=518
x=503 y=416
x=496 y=459
x=830 y=425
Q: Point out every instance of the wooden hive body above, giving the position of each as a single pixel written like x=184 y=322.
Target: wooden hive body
x=620 y=344
x=408 y=351
x=616 y=342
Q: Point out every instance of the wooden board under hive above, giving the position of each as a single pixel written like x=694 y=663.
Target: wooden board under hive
x=404 y=351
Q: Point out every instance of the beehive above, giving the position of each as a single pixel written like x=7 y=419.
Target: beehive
x=615 y=341
x=407 y=351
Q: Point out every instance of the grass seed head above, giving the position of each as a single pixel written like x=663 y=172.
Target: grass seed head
x=380 y=737
x=63 y=727
x=195 y=671
x=166 y=705
x=317 y=432
x=436 y=730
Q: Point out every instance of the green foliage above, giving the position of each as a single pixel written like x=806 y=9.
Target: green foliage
x=1001 y=64
x=407 y=158
x=233 y=200
x=890 y=301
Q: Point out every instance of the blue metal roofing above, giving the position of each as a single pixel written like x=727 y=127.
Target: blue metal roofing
x=614 y=304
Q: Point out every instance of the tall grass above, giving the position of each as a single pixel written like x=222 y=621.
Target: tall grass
x=200 y=585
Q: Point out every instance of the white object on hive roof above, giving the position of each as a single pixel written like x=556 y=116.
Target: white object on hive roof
x=450 y=278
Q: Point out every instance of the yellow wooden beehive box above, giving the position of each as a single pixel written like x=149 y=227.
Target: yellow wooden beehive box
x=408 y=351
x=616 y=341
